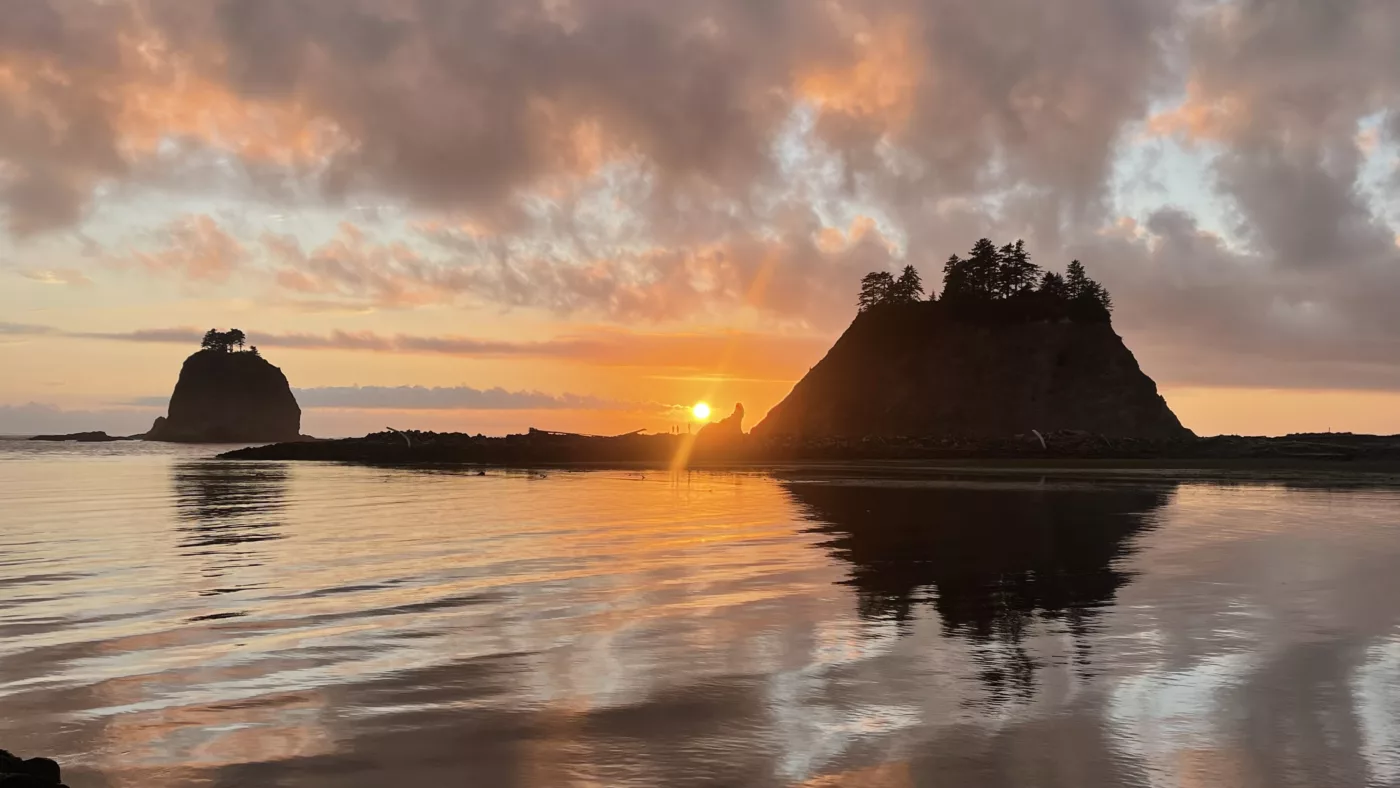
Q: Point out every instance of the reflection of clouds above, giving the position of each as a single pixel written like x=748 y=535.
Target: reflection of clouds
x=196 y=737
x=1242 y=655
x=807 y=717
x=1376 y=693
x=1158 y=716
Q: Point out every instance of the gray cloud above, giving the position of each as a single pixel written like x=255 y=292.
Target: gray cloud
x=731 y=353
x=441 y=398
x=1306 y=298
x=25 y=329
x=183 y=336
x=449 y=398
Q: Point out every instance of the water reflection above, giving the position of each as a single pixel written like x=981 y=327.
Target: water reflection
x=223 y=508
x=991 y=560
x=321 y=625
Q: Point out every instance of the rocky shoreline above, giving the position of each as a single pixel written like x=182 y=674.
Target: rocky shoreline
x=541 y=449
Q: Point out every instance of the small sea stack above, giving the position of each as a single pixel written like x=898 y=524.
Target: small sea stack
x=226 y=394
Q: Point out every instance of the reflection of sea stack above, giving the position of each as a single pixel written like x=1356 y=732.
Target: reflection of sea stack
x=995 y=556
x=229 y=397
x=992 y=561
x=924 y=369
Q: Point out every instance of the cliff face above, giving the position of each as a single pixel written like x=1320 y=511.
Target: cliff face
x=919 y=370
x=229 y=398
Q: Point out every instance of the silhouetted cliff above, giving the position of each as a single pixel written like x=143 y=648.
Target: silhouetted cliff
x=925 y=369
x=228 y=397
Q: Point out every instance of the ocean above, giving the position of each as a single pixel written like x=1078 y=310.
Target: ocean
x=169 y=619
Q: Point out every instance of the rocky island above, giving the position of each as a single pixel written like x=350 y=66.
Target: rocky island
x=226 y=394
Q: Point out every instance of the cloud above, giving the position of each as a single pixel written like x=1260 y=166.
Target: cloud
x=193 y=247
x=357 y=268
x=26 y=329
x=452 y=398
x=728 y=353
x=443 y=398
x=1199 y=311
x=57 y=276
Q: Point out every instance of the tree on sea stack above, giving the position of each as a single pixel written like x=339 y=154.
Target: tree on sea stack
x=1087 y=298
x=879 y=288
x=1052 y=286
x=909 y=288
x=999 y=284
x=223 y=341
x=1015 y=273
x=876 y=288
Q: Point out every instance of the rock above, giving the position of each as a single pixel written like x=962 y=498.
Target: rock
x=80 y=437
x=921 y=370
x=731 y=427
x=16 y=772
x=226 y=397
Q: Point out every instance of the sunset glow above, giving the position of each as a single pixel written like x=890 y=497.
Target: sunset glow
x=700 y=411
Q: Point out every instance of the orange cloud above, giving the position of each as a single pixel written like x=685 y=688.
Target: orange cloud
x=166 y=99
x=196 y=248
x=786 y=276
x=882 y=81
x=353 y=265
x=1202 y=116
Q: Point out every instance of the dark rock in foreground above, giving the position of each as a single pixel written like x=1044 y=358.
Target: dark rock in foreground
x=82 y=437
x=16 y=772
x=225 y=397
x=927 y=369
x=538 y=448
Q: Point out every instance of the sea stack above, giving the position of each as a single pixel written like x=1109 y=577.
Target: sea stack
x=227 y=396
x=929 y=369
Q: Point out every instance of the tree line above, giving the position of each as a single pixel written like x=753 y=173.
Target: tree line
x=994 y=280
x=225 y=341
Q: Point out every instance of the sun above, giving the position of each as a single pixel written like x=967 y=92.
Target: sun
x=701 y=411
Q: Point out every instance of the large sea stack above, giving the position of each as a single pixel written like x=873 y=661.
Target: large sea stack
x=229 y=397
x=929 y=369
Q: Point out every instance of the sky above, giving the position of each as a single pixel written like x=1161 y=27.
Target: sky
x=586 y=215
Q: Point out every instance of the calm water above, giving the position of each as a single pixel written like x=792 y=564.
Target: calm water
x=167 y=619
